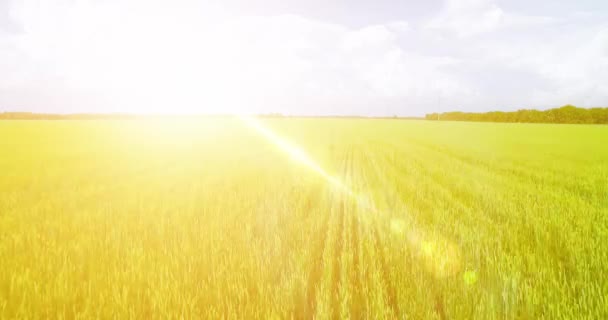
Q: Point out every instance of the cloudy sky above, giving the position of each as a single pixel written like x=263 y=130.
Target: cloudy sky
x=381 y=57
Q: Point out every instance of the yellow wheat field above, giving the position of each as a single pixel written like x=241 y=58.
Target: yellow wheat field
x=247 y=218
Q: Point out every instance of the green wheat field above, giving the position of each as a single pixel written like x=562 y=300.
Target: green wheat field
x=302 y=218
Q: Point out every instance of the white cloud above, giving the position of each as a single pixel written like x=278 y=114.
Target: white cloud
x=399 y=26
x=466 y=18
x=473 y=55
x=242 y=63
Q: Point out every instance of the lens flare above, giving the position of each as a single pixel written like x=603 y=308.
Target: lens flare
x=397 y=226
x=293 y=151
x=439 y=256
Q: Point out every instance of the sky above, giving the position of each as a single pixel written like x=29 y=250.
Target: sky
x=314 y=57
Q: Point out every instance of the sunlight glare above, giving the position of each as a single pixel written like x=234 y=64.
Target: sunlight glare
x=440 y=257
x=294 y=152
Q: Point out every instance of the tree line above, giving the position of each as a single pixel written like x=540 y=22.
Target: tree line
x=92 y=116
x=50 y=116
x=101 y=116
x=565 y=114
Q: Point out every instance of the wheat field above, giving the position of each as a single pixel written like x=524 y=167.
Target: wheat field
x=302 y=218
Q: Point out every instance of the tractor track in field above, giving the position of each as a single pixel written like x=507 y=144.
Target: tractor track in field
x=387 y=285
x=355 y=278
x=338 y=254
x=316 y=271
x=346 y=175
x=389 y=288
x=341 y=220
x=438 y=299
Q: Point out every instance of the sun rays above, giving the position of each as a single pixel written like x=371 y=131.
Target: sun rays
x=440 y=257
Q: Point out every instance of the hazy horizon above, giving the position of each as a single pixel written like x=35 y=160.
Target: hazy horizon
x=384 y=58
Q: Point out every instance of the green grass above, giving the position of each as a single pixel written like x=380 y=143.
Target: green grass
x=207 y=218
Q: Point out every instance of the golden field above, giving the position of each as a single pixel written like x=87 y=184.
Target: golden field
x=299 y=218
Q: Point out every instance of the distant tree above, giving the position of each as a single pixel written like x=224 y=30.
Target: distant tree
x=565 y=114
x=431 y=116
